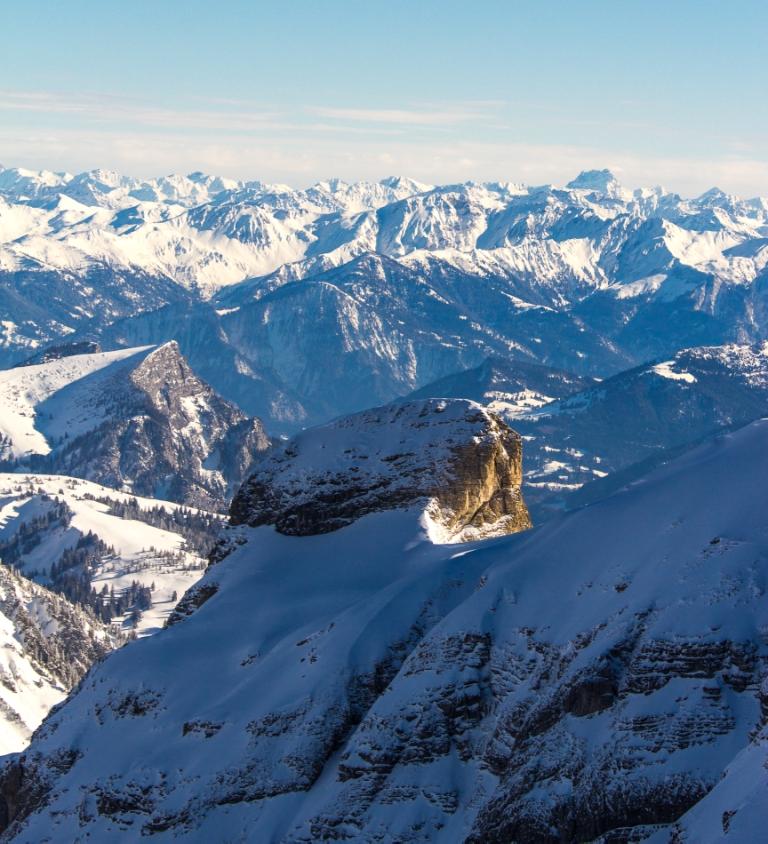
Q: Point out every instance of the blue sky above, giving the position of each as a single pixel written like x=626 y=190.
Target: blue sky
x=662 y=92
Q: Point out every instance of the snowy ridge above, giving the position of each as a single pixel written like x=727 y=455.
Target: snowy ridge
x=394 y=689
x=634 y=417
x=207 y=233
x=24 y=389
x=136 y=418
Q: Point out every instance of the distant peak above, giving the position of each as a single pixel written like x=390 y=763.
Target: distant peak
x=714 y=193
x=598 y=180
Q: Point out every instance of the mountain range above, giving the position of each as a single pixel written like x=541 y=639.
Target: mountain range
x=301 y=305
x=381 y=511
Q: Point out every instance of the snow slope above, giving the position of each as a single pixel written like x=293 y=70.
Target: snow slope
x=136 y=418
x=592 y=678
x=24 y=389
x=143 y=553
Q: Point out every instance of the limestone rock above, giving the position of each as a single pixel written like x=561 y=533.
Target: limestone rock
x=455 y=459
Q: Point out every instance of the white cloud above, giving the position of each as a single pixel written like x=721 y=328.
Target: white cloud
x=426 y=116
x=314 y=143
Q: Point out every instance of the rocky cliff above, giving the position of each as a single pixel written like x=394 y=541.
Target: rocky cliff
x=456 y=460
x=589 y=680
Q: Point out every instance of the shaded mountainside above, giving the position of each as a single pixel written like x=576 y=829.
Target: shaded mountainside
x=591 y=679
x=460 y=462
x=136 y=419
x=506 y=386
x=327 y=300
x=637 y=418
x=46 y=646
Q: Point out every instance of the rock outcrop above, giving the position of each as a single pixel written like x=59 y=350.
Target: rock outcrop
x=455 y=459
x=591 y=680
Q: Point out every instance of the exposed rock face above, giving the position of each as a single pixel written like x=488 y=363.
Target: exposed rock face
x=173 y=437
x=139 y=420
x=456 y=459
x=587 y=681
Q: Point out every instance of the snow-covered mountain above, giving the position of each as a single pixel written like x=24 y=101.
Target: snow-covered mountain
x=625 y=424
x=585 y=437
x=95 y=544
x=507 y=387
x=330 y=299
x=137 y=419
x=588 y=680
x=46 y=646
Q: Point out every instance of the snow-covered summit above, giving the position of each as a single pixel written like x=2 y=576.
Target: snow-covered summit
x=602 y=181
x=208 y=232
x=386 y=285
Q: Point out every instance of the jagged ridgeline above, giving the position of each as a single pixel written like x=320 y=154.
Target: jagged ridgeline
x=136 y=419
x=302 y=305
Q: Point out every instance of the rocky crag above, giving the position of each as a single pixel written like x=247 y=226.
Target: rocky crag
x=456 y=459
x=138 y=420
x=589 y=680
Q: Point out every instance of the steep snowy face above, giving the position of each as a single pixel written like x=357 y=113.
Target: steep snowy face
x=591 y=678
x=46 y=646
x=458 y=463
x=136 y=419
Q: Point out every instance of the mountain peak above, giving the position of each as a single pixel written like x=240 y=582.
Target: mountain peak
x=602 y=181
x=404 y=183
